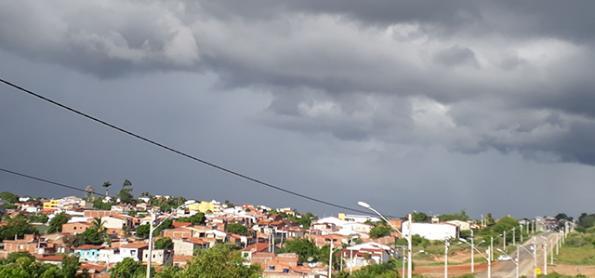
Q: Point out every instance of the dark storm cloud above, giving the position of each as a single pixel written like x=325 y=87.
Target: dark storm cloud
x=357 y=85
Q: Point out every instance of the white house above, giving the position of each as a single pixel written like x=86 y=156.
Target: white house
x=133 y=250
x=431 y=231
x=364 y=254
x=159 y=257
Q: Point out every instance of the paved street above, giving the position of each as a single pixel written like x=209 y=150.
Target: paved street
x=508 y=268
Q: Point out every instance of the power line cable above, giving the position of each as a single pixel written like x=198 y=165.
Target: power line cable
x=171 y=149
x=47 y=181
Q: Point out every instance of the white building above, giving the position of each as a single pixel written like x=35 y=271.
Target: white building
x=431 y=231
x=366 y=254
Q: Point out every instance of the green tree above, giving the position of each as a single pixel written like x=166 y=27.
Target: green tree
x=462 y=215
x=196 y=219
x=9 y=197
x=303 y=247
x=236 y=228
x=419 y=216
x=99 y=204
x=125 y=194
x=127 y=268
x=164 y=243
x=142 y=231
x=38 y=218
x=17 y=225
x=380 y=230
x=56 y=223
x=221 y=261
x=586 y=221
x=70 y=264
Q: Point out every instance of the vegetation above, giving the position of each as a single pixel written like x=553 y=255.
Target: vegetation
x=125 y=194
x=385 y=270
x=420 y=217
x=380 y=230
x=304 y=220
x=462 y=215
x=96 y=234
x=167 y=204
x=127 y=268
x=236 y=228
x=38 y=218
x=24 y=265
x=17 y=225
x=9 y=197
x=579 y=249
x=585 y=221
x=55 y=225
x=164 y=243
x=142 y=231
x=99 y=204
x=196 y=219
x=303 y=247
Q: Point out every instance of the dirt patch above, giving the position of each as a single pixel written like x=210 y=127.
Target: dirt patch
x=587 y=270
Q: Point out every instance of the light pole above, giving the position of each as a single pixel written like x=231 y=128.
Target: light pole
x=489 y=253
x=491 y=247
x=513 y=235
x=408 y=238
x=544 y=254
x=330 y=260
x=515 y=261
x=151 y=230
x=446 y=257
x=504 y=240
x=521 y=226
x=472 y=251
x=532 y=253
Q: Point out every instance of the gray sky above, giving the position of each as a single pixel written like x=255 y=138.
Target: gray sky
x=487 y=106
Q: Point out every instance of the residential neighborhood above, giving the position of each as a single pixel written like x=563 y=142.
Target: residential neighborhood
x=104 y=232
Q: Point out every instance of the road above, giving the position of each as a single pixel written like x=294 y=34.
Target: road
x=507 y=269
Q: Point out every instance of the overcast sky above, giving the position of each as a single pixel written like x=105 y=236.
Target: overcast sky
x=423 y=105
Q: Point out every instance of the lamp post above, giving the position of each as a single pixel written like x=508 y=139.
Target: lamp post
x=408 y=238
x=151 y=230
x=489 y=253
x=513 y=235
x=532 y=253
x=472 y=251
x=446 y=258
x=516 y=260
x=544 y=254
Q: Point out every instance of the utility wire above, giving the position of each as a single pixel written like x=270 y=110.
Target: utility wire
x=171 y=149
x=47 y=181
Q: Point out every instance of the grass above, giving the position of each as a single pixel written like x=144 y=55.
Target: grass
x=579 y=249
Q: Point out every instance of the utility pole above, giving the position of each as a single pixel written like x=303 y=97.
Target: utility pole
x=472 y=252
x=504 y=241
x=150 y=256
x=518 y=260
x=491 y=248
x=330 y=260
x=534 y=257
x=409 y=247
x=545 y=256
x=521 y=226
x=446 y=258
x=513 y=235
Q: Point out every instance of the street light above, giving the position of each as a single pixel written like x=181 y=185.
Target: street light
x=516 y=260
x=488 y=252
x=533 y=254
x=151 y=230
x=408 y=238
x=544 y=254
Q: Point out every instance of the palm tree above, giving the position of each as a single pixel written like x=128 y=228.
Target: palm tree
x=97 y=224
x=106 y=185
